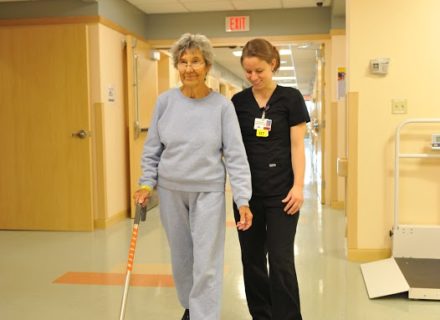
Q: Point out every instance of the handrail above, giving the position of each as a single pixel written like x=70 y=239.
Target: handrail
x=399 y=155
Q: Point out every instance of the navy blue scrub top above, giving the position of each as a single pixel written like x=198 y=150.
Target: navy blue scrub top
x=269 y=157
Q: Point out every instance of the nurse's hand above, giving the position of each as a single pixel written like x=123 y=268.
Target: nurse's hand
x=293 y=200
x=245 y=218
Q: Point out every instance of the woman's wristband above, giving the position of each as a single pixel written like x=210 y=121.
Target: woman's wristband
x=145 y=187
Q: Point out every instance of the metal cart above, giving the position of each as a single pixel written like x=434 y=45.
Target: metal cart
x=415 y=262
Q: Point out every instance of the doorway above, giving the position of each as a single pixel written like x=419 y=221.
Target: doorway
x=46 y=172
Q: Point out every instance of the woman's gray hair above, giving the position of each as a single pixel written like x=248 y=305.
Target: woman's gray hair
x=191 y=42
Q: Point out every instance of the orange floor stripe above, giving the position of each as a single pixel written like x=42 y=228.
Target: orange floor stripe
x=139 y=268
x=95 y=278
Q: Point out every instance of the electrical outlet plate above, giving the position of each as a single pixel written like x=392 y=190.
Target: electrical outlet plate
x=399 y=106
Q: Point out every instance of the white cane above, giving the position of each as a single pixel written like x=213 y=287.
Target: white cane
x=141 y=215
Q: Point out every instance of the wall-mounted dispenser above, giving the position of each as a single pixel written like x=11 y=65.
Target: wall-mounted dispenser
x=436 y=141
x=379 y=65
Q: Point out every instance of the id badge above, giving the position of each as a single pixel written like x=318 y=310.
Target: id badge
x=262 y=123
x=262 y=133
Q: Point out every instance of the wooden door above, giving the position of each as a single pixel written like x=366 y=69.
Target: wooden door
x=45 y=172
x=142 y=90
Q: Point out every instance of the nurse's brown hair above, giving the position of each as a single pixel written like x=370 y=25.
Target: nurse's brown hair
x=263 y=50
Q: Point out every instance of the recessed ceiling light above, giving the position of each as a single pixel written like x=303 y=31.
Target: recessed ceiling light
x=285 y=52
x=237 y=53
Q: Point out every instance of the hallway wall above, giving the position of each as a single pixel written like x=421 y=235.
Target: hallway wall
x=111 y=75
x=407 y=33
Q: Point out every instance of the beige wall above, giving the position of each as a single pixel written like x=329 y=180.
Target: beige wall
x=110 y=73
x=407 y=33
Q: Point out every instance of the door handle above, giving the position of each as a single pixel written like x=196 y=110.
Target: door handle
x=81 y=134
x=138 y=129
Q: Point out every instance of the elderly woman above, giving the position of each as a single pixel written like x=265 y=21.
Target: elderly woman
x=193 y=138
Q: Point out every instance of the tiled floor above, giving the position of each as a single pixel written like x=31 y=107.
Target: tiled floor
x=89 y=269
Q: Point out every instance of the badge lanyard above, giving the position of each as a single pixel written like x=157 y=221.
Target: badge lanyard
x=263 y=125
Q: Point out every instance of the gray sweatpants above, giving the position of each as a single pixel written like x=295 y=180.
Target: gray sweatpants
x=195 y=226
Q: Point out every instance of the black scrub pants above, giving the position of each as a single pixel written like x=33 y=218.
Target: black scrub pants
x=271 y=294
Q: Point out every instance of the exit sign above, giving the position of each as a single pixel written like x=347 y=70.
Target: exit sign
x=237 y=23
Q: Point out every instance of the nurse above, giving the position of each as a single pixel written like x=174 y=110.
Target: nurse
x=273 y=124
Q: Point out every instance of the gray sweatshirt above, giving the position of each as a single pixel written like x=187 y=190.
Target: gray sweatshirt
x=190 y=144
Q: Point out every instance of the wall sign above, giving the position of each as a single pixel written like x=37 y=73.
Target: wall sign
x=237 y=24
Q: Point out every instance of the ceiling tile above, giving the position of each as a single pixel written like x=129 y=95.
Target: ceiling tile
x=302 y=3
x=148 y=2
x=256 y=4
x=151 y=8
x=224 y=2
x=208 y=6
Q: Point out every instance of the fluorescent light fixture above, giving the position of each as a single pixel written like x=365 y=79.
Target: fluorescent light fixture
x=237 y=53
x=287 y=68
x=285 y=52
x=283 y=78
x=288 y=84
